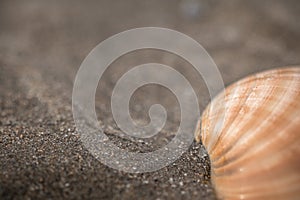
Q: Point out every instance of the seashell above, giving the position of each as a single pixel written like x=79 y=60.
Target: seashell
x=252 y=136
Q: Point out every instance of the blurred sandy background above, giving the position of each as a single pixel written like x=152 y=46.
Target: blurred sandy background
x=42 y=44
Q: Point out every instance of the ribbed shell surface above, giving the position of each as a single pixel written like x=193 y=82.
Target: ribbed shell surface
x=251 y=132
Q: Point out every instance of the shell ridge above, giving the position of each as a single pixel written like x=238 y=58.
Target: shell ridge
x=280 y=104
x=235 y=117
x=255 y=153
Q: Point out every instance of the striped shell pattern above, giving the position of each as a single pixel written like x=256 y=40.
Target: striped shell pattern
x=251 y=132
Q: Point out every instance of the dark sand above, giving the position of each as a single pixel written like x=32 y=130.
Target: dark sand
x=42 y=44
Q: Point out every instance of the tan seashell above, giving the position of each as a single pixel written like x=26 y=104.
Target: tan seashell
x=252 y=137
